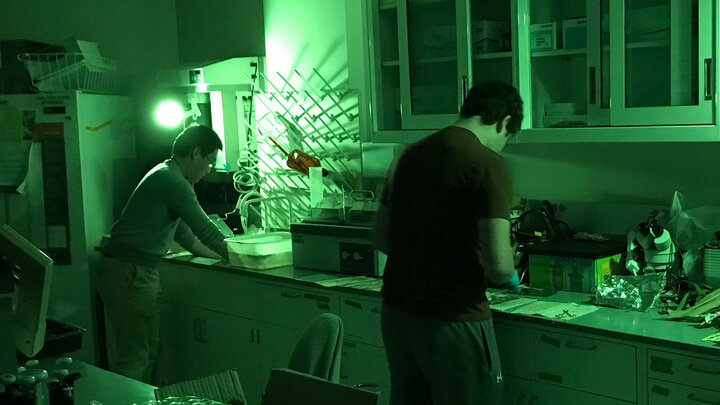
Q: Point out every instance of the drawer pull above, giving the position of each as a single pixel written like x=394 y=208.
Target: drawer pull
x=353 y=304
x=693 y=367
x=375 y=310
x=580 y=347
x=550 y=340
x=692 y=397
x=661 y=365
x=290 y=295
x=550 y=377
x=320 y=298
x=656 y=389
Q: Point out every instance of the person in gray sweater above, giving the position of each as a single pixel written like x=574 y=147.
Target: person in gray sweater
x=162 y=208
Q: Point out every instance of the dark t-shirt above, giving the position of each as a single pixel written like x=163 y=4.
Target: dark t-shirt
x=441 y=187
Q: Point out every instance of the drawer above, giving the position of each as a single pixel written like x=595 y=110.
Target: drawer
x=684 y=369
x=511 y=341
x=292 y=307
x=667 y=393
x=587 y=364
x=361 y=319
x=208 y=289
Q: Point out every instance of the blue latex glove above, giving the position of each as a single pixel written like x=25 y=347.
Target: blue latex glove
x=511 y=284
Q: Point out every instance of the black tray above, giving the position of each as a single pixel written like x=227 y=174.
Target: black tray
x=60 y=338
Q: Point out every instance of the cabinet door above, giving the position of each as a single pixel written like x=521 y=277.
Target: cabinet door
x=366 y=367
x=292 y=307
x=662 y=62
x=196 y=343
x=491 y=41
x=276 y=346
x=432 y=49
x=385 y=65
x=361 y=319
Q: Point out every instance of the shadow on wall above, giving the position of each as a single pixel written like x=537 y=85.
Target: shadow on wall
x=626 y=173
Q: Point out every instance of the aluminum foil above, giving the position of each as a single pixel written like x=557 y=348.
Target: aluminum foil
x=638 y=293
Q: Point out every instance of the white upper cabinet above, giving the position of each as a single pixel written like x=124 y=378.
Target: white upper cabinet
x=577 y=63
x=616 y=62
x=429 y=52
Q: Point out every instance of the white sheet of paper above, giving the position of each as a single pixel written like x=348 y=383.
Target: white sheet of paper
x=556 y=310
x=507 y=306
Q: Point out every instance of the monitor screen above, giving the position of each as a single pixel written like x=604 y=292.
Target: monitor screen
x=33 y=270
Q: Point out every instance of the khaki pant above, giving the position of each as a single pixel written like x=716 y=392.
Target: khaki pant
x=132 y=317
x=434 y=362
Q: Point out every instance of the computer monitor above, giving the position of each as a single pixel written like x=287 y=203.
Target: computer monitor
x=33 y=270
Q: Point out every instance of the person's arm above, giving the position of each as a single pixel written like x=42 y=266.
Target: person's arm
x=187 y=239
x=496 y=254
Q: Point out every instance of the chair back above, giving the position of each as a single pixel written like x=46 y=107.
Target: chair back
x=318 y=351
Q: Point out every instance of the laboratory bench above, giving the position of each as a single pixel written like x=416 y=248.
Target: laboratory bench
x=216 y=316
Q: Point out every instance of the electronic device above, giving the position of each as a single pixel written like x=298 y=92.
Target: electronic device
x=336 y=248
x=31 y=270
x=650 y=248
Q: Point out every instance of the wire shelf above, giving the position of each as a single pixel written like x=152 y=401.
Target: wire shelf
x=54 y=72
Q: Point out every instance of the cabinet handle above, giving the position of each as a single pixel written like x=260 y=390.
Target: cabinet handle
x=290 y=295
x=692 y=397
x=375 y=310
x=353 y=304
x=200 y=333
x=592 y=99
x=580 y=347
x=693 y=367
x=708 y=79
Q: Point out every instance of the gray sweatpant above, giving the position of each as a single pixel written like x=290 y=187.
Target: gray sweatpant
x=132 y=316
x=440 y=362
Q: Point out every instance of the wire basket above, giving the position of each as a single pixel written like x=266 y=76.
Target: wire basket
x=54 y=72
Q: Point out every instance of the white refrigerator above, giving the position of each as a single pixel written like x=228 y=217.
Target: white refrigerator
x=73 y=156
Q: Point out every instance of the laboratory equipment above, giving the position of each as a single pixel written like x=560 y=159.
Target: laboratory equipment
x=33 y=271
x=650 y=248
x=78 y=168
x=336 y=248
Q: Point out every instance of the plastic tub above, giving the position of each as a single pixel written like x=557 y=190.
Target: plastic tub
x=261 y=251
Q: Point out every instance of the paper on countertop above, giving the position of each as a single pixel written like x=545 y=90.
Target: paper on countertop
x=361 y=282
x=555 y=310
x=507 y=306
x=715 y=337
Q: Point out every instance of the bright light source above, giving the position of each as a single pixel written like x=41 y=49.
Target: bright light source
x=169 y=114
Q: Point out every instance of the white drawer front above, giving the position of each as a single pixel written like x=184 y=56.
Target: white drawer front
x=591 y=365
x=684 y=369
x=361 y=318
x=666 y=393
x=208 y=289
x=292 y=307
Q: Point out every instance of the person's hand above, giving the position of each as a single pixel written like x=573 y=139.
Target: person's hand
x=511 y=284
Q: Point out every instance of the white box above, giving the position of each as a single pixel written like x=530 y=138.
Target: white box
x=543 y=37
x=489 y=36
x=261 y=251
x=574 y=33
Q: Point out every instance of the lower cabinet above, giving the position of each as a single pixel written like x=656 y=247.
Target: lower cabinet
x=667 y=393
x=521 y=391
x=276 y=345
x=365 y=366
x=196 y=342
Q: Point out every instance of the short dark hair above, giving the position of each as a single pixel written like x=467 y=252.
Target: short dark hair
x=196 y=136
x=492 y=101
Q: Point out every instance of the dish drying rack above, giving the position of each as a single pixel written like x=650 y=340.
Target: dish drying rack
x=55 y=72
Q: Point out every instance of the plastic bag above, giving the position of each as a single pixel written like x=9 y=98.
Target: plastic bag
x=692 y=228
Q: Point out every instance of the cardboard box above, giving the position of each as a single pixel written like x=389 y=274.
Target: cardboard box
x=489 y=36
x=543 y=37
x=574 y=33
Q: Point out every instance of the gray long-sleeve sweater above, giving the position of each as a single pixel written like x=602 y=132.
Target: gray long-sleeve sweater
x=163 y=207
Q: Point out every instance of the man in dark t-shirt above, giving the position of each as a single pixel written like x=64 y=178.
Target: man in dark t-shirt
x=443 y=221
